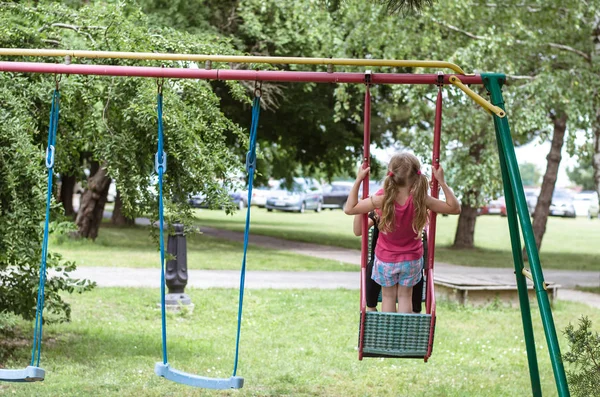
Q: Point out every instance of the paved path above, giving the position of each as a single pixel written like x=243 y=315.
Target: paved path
x=566 y=278
x=142 y=277
x=255 y=279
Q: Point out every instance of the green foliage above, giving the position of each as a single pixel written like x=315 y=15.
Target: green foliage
x=530 y=174
x=112 y=121
x=584 y=355
x=22 y=198
x=395 y=6
x=582 y=176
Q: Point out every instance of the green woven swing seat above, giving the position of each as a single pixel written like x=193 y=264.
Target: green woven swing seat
x=396 y=335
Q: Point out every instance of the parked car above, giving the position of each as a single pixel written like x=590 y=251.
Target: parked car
x=374 y=187
x=198 y=201
x=494 y=207
x=531 y=196
x=239 y=198
x=586 y=204
x=304 y=194
x=335 y=194
x=562 y=204
x=259 y=196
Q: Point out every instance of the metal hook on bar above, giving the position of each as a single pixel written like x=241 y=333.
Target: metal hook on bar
x=368 y=75
x=160 y=82
x=440 y=80
x=258 y=88
x=57 y=79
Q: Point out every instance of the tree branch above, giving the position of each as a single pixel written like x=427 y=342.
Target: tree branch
x=582 y=54
x=520 y=77
x=78 y=29
x=55 y=42
x=474 y=36
x=464 y=32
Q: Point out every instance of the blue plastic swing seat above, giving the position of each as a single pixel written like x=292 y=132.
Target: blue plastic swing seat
x=29 y=374
x=164 y=370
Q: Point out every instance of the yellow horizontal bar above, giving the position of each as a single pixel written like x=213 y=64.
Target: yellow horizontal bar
x=478 y=98
x=527 y=274
x=230 y=58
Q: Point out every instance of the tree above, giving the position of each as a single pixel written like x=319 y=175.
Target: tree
x=22 y=204
x=595 y=58
x=530 y=174
x=108 y=125
x=103 y=118
x=582 y=176
x=547 y=61
x=394 y=6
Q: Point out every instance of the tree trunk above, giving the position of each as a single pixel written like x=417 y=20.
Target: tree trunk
x=118 y=217
x=92 y=204
x=596 y=125
x=596 y=154
x=465 y=231
x=67 y=188
x=542 y=208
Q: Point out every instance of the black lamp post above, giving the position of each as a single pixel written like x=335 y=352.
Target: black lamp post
x=176 y=275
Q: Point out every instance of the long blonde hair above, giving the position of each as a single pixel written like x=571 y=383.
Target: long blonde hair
x=404 y=170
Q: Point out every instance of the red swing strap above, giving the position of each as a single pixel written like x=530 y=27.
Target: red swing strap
x=435 y=162
x=365 y=221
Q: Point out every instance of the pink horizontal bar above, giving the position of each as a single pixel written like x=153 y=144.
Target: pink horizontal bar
x=225 y=74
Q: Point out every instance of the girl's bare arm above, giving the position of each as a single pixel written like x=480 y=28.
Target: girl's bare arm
x=357 y=225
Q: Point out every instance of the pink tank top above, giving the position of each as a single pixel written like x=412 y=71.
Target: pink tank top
x=401 y=244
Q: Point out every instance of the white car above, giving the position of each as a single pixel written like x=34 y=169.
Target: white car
x=259 y=196
x=586 y=204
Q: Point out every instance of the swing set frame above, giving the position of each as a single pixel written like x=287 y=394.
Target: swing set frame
x=516 y=205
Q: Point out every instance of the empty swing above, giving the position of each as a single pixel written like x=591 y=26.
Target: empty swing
x=33 y=372
x=163 y=368
x=399 y=335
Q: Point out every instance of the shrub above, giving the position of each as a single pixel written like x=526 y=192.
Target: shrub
x=22 y=209
x=584 y=355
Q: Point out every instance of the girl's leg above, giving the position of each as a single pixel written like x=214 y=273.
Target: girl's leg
x=373 y=289
x=404 y=299
x=388 y=298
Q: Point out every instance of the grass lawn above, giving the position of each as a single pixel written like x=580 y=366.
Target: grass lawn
x=296 y=343
x=134 y=247
x=567 y=244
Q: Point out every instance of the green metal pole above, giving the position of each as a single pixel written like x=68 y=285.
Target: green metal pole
x=515 y=238
x=493 y=83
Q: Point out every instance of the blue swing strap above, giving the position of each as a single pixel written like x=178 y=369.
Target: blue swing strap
x=163 y=369
x=160 y=166
x=32 y=372
x=250 y=168
x=50 y=150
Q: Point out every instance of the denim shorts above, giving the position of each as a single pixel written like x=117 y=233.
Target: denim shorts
x=405 y=273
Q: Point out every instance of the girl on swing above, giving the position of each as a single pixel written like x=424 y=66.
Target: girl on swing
x=402 y=207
